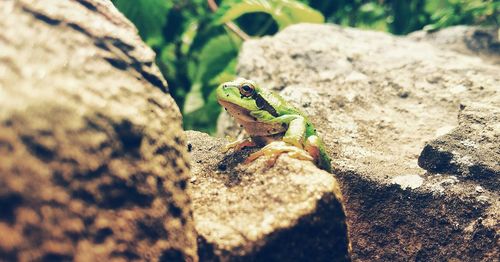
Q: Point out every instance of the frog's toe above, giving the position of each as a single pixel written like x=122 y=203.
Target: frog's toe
x=275 y=149
x=238 y=145
x=295 y=141
x=302 y=155
x=272 y=159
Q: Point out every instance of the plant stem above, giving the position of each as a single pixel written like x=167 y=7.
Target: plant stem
x=232 y=26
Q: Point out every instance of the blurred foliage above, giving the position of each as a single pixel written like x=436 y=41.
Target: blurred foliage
x=196 y=52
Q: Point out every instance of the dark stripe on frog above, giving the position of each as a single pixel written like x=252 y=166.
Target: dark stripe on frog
x=264 y=105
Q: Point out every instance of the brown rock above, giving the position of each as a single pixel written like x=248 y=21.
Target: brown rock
x=91 y=148
x=291 y=211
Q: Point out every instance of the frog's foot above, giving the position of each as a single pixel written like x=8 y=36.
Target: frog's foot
x=274 y=149
x=312 y=147
x=238 y=145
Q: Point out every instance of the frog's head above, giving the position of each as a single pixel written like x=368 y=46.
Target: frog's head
x=240 y=97
x=240 y=92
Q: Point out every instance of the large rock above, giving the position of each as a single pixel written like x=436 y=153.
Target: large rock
x=291 y=211
x=376 y=100
x=92 y=160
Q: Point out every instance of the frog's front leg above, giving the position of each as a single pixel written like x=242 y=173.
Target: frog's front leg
x=296 y=126
x=296 y=131
x=238 y=145
x=292 y=141
x=296 y=135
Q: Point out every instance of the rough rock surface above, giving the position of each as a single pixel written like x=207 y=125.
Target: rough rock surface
x=92 y=160
x=376 y=100
x=478 y=41
x=471 y=150
x=288 y=212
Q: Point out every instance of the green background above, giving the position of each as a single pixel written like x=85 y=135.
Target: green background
x=196 y=52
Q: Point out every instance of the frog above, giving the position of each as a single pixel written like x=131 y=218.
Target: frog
x=272 y=123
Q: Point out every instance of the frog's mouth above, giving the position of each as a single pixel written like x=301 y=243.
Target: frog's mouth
x=239 y=113
x=252 y=126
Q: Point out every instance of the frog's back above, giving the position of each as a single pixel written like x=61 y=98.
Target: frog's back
x=281 y=105
x=285 y=108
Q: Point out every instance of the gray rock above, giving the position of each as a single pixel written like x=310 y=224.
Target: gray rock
x=471 y=150
x=483 y=42
x=376 y=99
x=291 y=211
x=93 y=165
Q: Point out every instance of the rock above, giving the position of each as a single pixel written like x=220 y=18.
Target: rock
x=483 y=42
x=288 y=212
x=376 y=100
x=471 y=150
x=93 y=165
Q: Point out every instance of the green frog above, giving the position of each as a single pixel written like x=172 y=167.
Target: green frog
x=281 y=128
x=272 y=123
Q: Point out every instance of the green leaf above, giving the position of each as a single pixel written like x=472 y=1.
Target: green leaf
x=205 y=117
x=301 y=13
x=188 y=37
x=228 y=74
x=149 y=16
x=168 y=58
x=194 y=99
x=284 y=12
x=372 y=16
x=215 y=56
x=432 y=6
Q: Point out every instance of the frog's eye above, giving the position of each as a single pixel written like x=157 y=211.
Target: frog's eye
x=247 y=90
